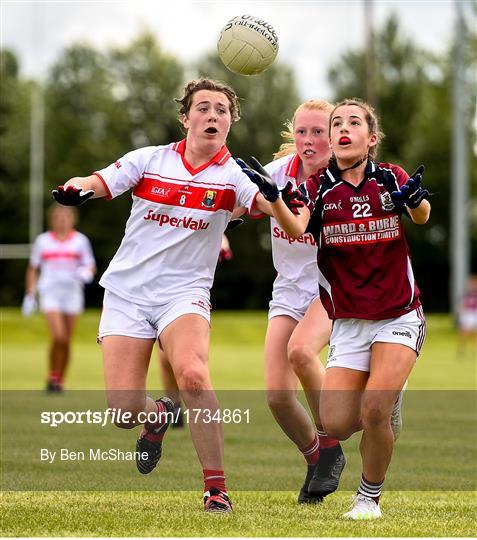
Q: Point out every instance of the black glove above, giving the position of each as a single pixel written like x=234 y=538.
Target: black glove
x=292 y=198
x=259 y=176
x=303 y=194
x=233 y=224
x=71 y=195
x=411 y=193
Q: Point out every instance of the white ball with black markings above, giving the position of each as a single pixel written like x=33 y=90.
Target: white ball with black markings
x=247 y=45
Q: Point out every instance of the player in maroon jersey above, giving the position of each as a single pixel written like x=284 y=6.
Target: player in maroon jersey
x=366 y=285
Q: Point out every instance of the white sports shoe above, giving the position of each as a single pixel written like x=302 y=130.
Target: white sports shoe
x=396 y=415
x=364 y=508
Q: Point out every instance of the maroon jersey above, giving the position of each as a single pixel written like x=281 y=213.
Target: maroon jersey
x=363 y=258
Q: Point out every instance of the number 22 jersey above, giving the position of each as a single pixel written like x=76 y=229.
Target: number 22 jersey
x=364 y=268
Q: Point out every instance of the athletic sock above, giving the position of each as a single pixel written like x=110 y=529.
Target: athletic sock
x=214 y=478
x=370 y=489
x=151 y=431
x=55 y=376
x=311 y=452
x=325 y=440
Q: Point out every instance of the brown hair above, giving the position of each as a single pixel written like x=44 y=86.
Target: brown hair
x=289 y=147
x=215 y=86
x=371 y=120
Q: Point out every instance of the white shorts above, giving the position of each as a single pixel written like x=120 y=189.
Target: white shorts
x=121 y=317
x=351 y=339
x=468 y=321
x=290 y=299
x=68 y=300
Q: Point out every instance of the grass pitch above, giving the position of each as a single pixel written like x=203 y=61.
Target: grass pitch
x=425 y=459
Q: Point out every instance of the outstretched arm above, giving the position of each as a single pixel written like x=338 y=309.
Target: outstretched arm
x=413 y=197
x=288 y=210
x=293 y=224
x=87 y=183
x=421 y=213
x=78 y=190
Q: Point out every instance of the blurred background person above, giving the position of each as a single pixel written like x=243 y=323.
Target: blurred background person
x=61 y=262
x=467 y=321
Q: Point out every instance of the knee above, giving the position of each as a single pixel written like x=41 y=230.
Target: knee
x=279 y=400
x=338 y=430
x=60 y=340
x=373 y=415
x=337 y=424
x=194 y=375
x=300 y=357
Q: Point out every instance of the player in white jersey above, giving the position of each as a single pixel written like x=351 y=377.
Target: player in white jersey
x=61 y=263
x=299 y=327
x=157 y=285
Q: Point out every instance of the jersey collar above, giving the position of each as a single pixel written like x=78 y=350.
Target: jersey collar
x=334 y=175
x=293 y=167
x=220 y=157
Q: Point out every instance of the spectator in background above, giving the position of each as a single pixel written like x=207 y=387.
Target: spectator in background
x=467 y=321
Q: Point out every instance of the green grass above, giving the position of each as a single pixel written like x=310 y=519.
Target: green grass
x=430 y=489
x=142 y=514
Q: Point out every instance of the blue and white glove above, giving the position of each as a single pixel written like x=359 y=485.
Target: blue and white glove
x=71 y=195
x=259 y=176
x=29 y=305
x=411 y=193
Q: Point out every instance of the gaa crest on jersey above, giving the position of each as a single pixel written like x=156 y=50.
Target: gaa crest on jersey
x=386 y=201
x=209 y=198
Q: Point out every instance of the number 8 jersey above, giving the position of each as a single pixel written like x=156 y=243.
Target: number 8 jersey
x=364 y=269
x=173 y=235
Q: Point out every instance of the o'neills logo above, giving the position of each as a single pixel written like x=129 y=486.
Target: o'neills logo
x=185 y=223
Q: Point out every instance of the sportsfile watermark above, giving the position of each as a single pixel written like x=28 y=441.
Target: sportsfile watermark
x=86 y=441
x=119 y=416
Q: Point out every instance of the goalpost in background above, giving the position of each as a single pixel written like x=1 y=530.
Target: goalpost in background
x=37 y=130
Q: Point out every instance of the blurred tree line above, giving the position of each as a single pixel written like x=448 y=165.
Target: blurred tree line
x=99 y=105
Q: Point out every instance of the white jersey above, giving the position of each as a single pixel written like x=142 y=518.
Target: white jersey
x=60 y=260
x=294 y=260
x=173 y=235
